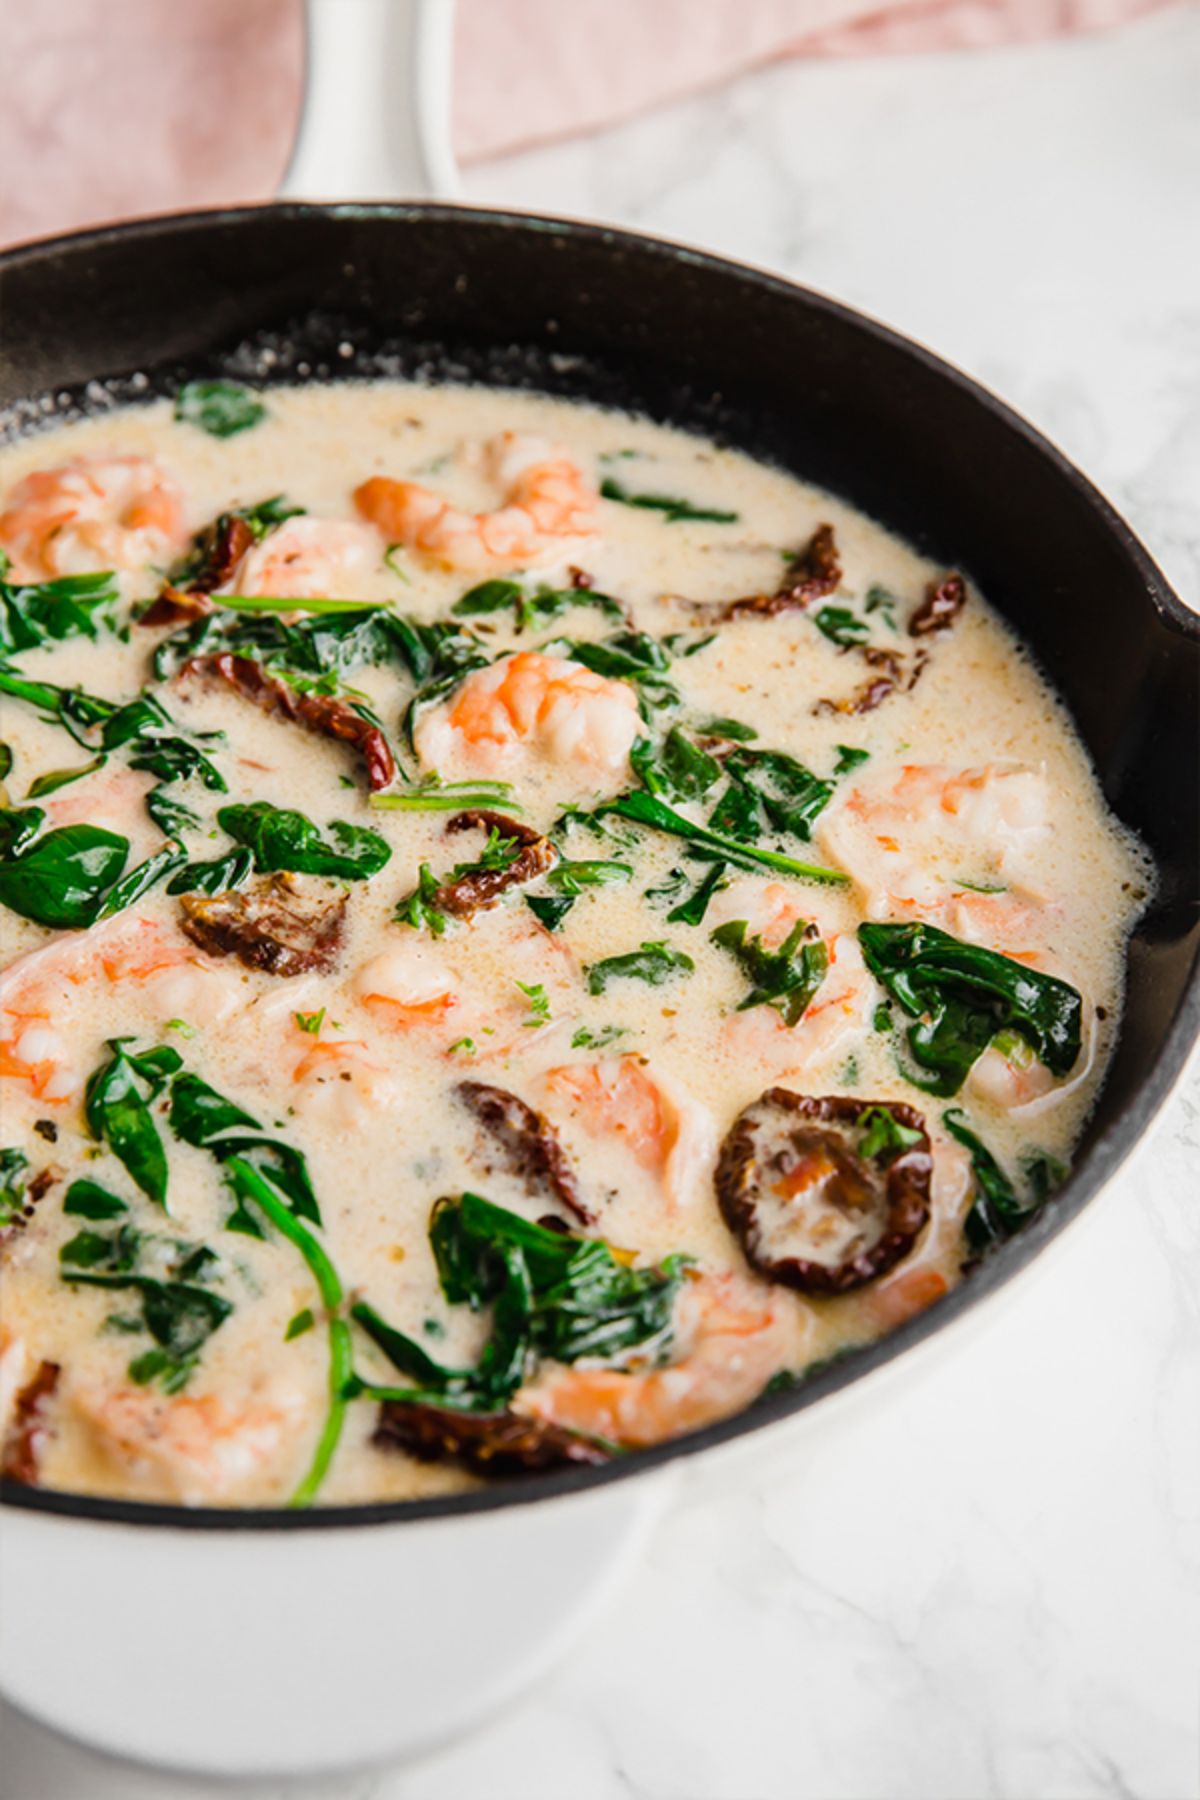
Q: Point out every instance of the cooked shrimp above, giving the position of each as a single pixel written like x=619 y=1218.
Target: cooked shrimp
x=731 y=1345
x=187 y=1447
x=925 y=1275
x=914 y=842
x=407 y=985
x=1011 y=1076
x=344 y=1083
x=836 y=1019
x=840 y=1009
x=112 y=798
x=531 y=704
x=902 y=1296
x=769 y=908
x=666 y=1132
x=548 y=507
x=101 y=512
x=133 y=955
x=310 y=559
x=33 y=1051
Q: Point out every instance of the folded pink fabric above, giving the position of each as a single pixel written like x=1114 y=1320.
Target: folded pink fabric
x=536 y=69
x=120 y=107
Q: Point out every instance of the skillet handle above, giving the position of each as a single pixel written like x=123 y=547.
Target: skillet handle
x=375 y=117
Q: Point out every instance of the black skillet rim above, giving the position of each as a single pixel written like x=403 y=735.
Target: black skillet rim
x=1095 y=1168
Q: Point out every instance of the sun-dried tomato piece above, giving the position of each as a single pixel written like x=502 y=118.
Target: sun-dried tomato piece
x=176 y=606
x=481 y=888
x=872 y=692
x=219 y=548
x=323 y=714
x=277 y=924
x=943 y=602
x=528 y=1144
x=825 y=1194
x=29 y=1426
x=811 y=574
x=501 y=1443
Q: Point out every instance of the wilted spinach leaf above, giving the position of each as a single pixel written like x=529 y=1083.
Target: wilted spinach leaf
x=58 y=878
x=115 y=1251
x=787 y=978
x=998 y=1210
x=206 y=1119
x=734 y=729
x=552 y=1294
x=632 y=656
x=35 y=613
x=131 y=887
x=531 y=610
x=961 y=995
x=653 y=963
x=692 y=910
x=841 y=626
x=155 y=743
x=117 y=1107
x=672 y=508
x=219 y=876
x=222 y=408
x=88 y=1200
x=570 y=879
x=14 y=1179
x=849 y=758
x=677 y=769
x=283 y=839
x=768 y=788
x=54 y=779
x=646 y=809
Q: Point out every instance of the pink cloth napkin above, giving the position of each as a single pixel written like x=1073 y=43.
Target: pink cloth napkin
x=121 y=107
x=598 y=61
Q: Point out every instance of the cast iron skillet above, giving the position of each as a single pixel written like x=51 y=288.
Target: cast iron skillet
x=286 y=292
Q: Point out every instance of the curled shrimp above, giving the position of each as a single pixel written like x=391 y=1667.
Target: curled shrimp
x=835 y=1020
x=547 y=507
x=922 y=1277
x=409 y=987
x=307 y=559
x=839 y=1010
x=405 y=986
x=905 y=1294
x=344 y=1083
x=1010 y=1076
x=100 y=512
x=667 y=1133
x=532 y=704
x=770 y=908
x=111 y=798
x=188 y=1447
x=731 y=1346
x=133 y=957
x=914 y=841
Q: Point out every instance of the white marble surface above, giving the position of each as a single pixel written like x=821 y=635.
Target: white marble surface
x=990 y=1586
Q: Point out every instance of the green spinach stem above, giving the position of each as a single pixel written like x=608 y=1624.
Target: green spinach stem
x=329 y=1287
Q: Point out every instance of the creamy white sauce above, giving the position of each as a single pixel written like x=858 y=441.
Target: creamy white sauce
x=369 y=1097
